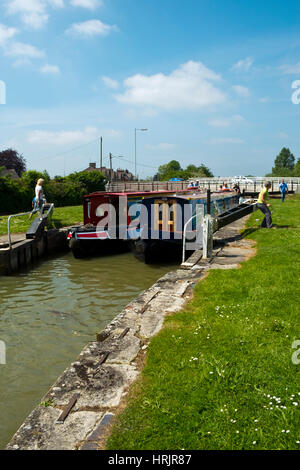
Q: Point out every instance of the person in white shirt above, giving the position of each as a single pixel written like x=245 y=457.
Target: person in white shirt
x=39 y=198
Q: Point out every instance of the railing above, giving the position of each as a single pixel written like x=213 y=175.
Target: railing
x=48 y=214
x=201 y=214
x=8 y=223
x=210 y=225
x=204 y=183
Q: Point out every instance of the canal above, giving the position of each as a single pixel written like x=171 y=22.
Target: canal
x=47 y=315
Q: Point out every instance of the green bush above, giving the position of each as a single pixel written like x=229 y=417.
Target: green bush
x=16 y=195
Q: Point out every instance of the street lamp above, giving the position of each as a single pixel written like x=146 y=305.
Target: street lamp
x=135 y=149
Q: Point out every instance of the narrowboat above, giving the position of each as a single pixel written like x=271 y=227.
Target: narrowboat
x=151 y=224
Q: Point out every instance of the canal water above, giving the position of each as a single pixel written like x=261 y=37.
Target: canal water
x=50 y=313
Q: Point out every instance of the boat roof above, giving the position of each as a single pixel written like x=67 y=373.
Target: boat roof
x=136 y=193
x=183 y=194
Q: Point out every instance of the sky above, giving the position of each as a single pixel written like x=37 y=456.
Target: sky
x=215 y=82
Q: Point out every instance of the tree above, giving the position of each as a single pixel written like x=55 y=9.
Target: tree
x=174 y=170
x=11 y=159
x=30 y=177
x=296 y=171
x=169 y=170
x=284 y=163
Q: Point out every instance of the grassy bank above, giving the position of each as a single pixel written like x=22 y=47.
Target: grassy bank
x=62 y=217
x=220 y=374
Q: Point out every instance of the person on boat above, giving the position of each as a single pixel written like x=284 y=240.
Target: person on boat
x=236 y=188
x=39 y=198
x=283 y=187
x=263 y=206
x=225 y=187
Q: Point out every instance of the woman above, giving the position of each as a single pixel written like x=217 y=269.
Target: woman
x=39 y=198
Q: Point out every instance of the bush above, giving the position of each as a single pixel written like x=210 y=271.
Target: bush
x=16 y=195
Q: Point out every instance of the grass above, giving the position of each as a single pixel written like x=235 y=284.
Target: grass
x=62 y=217
x=220 y=374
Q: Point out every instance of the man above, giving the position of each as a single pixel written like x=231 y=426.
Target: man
x=263 y=205
x=283 y=189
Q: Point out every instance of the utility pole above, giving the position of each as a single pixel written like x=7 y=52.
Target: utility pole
x=111 y=170
x=135 y=175
x=101 y=162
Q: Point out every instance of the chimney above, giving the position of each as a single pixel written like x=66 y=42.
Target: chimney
x=93 y=165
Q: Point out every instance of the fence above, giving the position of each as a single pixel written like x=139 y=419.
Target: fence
x=204 y=183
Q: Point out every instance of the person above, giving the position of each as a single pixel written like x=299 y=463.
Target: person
x=39 y=198
x=236 y=188
x=107 y=185
x=263 y=205
x=283 y=189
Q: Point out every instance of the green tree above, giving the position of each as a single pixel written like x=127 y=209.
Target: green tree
x=174 y=170
x=296 y=171
x=284 y=163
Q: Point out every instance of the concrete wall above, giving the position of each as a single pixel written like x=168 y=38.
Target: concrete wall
x=25 y=252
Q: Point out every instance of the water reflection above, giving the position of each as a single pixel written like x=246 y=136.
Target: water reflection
x=49 y=314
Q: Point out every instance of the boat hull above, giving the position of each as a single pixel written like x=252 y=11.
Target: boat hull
x=156 y=251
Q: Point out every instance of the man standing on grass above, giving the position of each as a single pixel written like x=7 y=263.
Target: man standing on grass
x=283 y=189
x=263 y=205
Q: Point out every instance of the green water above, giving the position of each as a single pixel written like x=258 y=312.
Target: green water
x=50 y=313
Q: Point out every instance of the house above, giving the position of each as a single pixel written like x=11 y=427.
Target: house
x=118 y=175
x=9 y=172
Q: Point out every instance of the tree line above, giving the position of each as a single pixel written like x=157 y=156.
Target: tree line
x=16 y=194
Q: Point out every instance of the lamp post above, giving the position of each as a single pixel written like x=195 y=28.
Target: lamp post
x=135 y=149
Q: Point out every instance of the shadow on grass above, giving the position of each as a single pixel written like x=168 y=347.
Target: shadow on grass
x=282 y=226
x=248 y=231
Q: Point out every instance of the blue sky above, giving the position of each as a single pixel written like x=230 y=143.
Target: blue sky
x=211 y=80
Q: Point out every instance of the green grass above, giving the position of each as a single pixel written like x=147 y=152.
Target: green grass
x=62 y=217
x=220 y=374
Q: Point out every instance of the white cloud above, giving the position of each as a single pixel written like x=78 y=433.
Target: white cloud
x=56 y=3
x=50 y=69
x=241 y=90
x=162 y=146
x=110 y=83
x=19 y=6
x=290 y=69
x=69 y=137
x=226 y=122
x=224 y=140
x=22 y=62
x=63 y=137
x=33 y=13
x=19 y=49
x=188 y=87
x=91 y=28
x=89 y=4
x=6 y=33
x=35 y=20
x=22 y=52
x=243 y=65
